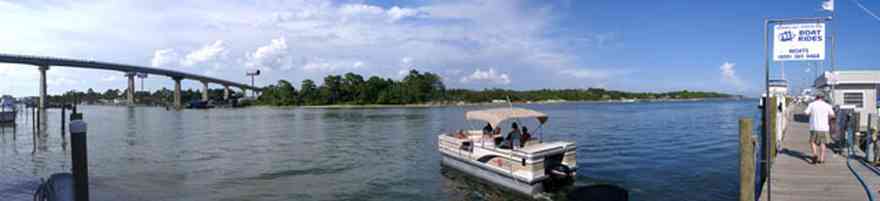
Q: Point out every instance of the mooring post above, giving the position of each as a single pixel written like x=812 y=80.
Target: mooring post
x=772 y=128
x=79 y=157
x=869 y=148
x=63 y=114
x=746 y=161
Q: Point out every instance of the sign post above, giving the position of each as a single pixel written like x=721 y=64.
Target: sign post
x=794 y=39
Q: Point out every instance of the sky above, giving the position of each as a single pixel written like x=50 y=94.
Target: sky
x=650 y=46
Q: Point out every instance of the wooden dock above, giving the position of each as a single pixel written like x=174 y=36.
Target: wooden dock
x=794 y=178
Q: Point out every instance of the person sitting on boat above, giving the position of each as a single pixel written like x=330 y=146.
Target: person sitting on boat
x=512 y=138
x=460 y=134
x=487 y=131
x=525 y=137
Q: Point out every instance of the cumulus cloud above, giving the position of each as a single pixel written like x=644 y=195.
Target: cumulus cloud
x=273 y=55
x=490 y=76
x=206 y=53
x=164 y=57
x=397 y=13
x=728 y=75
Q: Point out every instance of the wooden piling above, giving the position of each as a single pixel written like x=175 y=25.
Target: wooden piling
x=63 y=108
x=746 y=161
x=773 y=127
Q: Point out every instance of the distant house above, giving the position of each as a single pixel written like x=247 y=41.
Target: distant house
x=852 y=88
x=499 y=101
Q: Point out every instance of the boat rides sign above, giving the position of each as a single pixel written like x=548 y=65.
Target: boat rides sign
x=799 y=42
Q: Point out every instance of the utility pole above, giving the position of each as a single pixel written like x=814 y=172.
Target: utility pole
x=253 y=86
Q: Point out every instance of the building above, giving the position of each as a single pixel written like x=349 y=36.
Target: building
x=778 y=87
x=853 y=88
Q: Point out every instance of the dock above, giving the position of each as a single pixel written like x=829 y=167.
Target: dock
x=793 y=177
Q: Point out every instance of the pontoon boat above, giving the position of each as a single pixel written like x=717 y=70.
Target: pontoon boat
x=524 y=169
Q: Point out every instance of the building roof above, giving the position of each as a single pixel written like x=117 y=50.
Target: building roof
x=848 y=77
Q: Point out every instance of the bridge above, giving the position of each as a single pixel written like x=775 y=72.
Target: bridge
x=43 y=63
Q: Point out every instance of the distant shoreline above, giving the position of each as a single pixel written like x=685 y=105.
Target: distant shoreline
x=430 y=105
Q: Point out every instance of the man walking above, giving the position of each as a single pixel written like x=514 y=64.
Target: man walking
x=820 y=112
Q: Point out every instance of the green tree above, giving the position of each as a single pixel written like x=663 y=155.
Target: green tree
x=309 y=93
x=331 y=90
x=352 y=89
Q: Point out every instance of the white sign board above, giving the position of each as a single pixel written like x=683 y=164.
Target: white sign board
x=799 y=42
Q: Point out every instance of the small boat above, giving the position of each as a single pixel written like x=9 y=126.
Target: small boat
x=7 y=110
x=525 y=169
x=199 y=104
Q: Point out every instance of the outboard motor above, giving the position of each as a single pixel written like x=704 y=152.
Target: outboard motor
x=560 y=174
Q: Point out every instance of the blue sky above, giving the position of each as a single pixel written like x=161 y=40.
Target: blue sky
x=626 y=45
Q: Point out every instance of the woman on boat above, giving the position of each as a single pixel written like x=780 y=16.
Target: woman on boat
x=525 y=136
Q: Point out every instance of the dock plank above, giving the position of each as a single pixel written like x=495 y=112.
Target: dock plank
x=793 y=178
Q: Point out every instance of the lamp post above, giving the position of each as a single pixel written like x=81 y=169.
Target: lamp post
x=252 y=75
x=141 y=76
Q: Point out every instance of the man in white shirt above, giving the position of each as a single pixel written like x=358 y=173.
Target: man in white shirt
x=820 y=114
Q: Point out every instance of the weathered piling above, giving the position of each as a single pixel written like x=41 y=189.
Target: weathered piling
x=773 y=127
x=78 y=155
x=63 y=109
x=746 y=161
x=869 y=148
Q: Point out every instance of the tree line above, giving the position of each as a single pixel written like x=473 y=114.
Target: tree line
x=421 y=88
x=351 y=88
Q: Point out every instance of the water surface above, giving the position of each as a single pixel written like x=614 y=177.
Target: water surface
x=659 y=151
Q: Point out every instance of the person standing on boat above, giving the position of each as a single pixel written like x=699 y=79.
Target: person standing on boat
x=820 y=112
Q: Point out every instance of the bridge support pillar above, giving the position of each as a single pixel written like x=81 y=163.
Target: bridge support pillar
x=204 y=91
x=177 y=104
x=225 y=92
x=130 y=87
x=43 y=97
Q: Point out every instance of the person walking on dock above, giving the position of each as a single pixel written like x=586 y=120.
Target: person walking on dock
x=820 y=112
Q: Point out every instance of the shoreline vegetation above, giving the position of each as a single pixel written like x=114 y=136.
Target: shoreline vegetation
x=427 y=89
x=416 y=89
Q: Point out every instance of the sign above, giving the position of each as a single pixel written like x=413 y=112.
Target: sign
x=799 y=42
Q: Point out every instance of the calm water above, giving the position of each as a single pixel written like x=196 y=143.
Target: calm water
x=659 y=151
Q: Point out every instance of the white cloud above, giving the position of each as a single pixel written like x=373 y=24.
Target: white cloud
x=357 y=64
x=319 y=66
x=206 y=53
x=490 y=76
x=397 y=13
x=728 y=75
x=273 y=55
x=164 y=57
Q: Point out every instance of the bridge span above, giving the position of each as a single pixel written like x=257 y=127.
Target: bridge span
x=43 y=64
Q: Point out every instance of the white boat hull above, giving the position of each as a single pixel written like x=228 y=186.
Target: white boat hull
x=491 y=175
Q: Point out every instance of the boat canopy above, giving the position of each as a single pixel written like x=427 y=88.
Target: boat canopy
x=497 y=115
